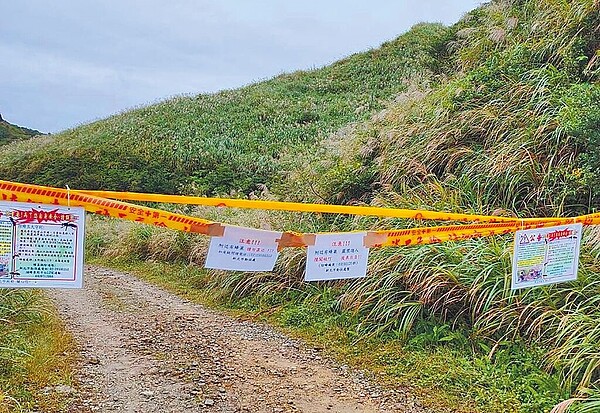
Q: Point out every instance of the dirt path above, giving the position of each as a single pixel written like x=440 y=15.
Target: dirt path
x=146 y=350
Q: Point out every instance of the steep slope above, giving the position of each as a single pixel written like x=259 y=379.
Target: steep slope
x=10 y=132
x=231 y=140
x=516 y=126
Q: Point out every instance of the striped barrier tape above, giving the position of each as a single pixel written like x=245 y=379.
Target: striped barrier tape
x=97 y=202
x=308 y=207
x=11 y=191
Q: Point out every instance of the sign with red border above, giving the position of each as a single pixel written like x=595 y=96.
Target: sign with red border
x=41 y=246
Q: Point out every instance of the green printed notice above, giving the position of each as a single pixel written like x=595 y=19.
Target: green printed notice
x=41 y=246
x=546 y=255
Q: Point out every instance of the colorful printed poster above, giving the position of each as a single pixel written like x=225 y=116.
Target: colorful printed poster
x=243 y=249
x=41 y=246
x=337 y=256
x=546 y=255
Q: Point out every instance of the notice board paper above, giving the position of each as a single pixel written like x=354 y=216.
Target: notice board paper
x=41 y=246
x=243 y=249
x=337 y=256
x=546 y=255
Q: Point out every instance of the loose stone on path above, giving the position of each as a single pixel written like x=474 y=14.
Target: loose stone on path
x=147 y=350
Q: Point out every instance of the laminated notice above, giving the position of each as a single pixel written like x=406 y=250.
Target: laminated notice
x=337 y=256
x=243 y=249
x=546 y=255
x=41 y=246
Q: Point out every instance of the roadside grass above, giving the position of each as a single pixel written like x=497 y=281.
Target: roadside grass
x=36 y=354
x=446 y=369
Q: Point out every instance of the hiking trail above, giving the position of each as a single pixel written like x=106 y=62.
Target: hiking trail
x=147 y=350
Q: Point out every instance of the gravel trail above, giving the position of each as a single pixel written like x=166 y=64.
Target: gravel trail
x=147 y=350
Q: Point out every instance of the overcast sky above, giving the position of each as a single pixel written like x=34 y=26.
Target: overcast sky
x=68 y=62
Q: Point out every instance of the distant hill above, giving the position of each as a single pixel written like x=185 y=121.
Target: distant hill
x=10 y=132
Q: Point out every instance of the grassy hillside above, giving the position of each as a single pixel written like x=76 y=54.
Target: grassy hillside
x=515 y=126
x=10 y=132
x=230 y=140
x=497 y=114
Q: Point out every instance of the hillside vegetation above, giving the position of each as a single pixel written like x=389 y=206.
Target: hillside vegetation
x=232 y=140
x=10 y=133
x=498 y=114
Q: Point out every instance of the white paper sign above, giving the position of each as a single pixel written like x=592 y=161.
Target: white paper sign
x=546 y=255
x=337 y=256
x=243 y=249
x=41 y=246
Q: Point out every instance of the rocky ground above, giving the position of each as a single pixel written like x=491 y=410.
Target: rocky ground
x=147 y=350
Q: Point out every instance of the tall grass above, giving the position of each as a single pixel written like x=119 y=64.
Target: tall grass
x=505 y=134
x=35 y=353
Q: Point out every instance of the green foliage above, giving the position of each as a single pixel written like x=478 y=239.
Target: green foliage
x=506 y=119
x=579 y=117
x=441 y=357
x=35 y=352
x=498 y=114
x=232 y=140
x=10 y=133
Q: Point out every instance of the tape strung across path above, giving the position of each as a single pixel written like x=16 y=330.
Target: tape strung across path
x=97 y=202
x=495 y=225
x=302 y=207
x=11 y=191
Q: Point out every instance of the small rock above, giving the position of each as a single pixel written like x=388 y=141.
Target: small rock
x=209 y=402
x=147 y=393
x=64 y=389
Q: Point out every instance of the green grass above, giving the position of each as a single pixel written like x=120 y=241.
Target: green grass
x=36 y=353
x=11 y=133
x=232 y=140
x=497 y=114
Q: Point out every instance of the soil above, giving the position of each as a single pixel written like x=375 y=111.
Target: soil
x=146 y=350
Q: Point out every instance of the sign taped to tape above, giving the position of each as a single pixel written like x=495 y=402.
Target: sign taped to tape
x=337 y=256
x=41 y=246
x=546 y=255
x=242 y=249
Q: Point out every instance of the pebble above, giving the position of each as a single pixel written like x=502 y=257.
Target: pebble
x=64 y=389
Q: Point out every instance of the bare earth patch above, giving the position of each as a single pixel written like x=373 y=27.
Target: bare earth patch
x=147 y=350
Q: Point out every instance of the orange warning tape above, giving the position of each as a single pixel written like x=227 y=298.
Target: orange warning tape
x=432 y=235
x=10 y=191
x=307 y=207
x=483 y=226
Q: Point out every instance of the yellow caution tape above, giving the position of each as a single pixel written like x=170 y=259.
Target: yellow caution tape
x=96 y=202
x=10 y=191
x=302 y=207
x=432 y=235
